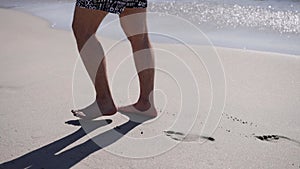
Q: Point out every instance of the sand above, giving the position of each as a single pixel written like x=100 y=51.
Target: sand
x=37 y=65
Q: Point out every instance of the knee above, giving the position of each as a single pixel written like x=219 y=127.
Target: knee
x=139 y=41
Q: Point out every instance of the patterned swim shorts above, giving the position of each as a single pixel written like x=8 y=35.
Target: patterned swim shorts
x=112 y=6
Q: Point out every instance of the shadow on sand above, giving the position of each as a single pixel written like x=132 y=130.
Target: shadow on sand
x=46 y=157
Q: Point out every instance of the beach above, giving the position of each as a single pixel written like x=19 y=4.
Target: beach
x=259 y=126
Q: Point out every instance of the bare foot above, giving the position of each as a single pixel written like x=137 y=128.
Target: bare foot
x=139 y=112
x=95 y=110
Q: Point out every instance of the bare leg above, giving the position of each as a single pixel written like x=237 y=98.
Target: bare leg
x=85 y=25
x=133 y=22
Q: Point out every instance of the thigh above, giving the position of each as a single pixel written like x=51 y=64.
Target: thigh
x=87 y=21
x=133 y=21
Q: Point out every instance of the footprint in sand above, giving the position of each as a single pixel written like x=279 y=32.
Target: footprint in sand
x=178 y=136
x=274 y=138
x=9 y=89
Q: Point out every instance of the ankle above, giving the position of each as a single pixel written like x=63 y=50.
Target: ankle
x=143 y=101
x=104 y=97
x=106 y=100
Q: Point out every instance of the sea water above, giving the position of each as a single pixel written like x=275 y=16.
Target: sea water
x=264 y=25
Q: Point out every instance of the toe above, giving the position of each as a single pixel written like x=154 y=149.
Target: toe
x=74 y=112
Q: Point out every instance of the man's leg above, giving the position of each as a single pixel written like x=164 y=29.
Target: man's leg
x=133 y=22
x=85 y=25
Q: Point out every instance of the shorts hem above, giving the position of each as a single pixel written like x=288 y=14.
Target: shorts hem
x=110 y=8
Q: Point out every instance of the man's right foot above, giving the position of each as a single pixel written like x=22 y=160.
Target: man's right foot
x=139 y=109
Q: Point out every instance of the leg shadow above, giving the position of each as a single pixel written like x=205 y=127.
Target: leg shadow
x=46 y=157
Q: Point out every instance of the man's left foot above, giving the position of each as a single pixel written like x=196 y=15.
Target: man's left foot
x=94 y=111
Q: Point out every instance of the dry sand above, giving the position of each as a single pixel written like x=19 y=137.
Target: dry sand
x=37 y=64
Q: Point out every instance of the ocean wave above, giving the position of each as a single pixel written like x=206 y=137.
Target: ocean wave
x=226 y=15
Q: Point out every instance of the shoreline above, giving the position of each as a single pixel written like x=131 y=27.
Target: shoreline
x=50 y=25
x=237 y=40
